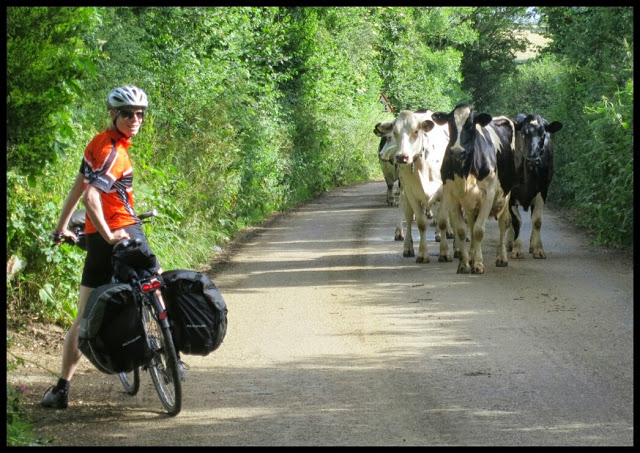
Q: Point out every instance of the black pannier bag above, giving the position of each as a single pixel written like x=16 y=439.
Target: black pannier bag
x=197 y=311
x=111 y=331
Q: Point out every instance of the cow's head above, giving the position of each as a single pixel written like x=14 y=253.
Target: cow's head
x=409 y=135
x=536 y=139
x=387 y=147
x=463 y=126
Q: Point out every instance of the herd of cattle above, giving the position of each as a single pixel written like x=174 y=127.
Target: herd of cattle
x=463 y=167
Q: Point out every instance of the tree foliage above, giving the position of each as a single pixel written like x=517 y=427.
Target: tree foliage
x=419 y=55
x=593 y=96
x=47 y=57
x=491 y=59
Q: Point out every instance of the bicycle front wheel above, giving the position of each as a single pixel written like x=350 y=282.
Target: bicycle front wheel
x=130 y=381
x=163 y=366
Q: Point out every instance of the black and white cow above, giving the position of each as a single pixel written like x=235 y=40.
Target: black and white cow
x=417 y=149
x=534 y=166
x=478 y=173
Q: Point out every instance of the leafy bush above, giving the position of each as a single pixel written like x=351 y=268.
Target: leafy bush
x=19 y=427
x=605 y=177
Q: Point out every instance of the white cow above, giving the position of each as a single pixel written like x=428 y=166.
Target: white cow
x=417 y=146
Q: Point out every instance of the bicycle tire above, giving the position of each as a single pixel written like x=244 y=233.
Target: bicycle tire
x=130 y=381
x=163 y=366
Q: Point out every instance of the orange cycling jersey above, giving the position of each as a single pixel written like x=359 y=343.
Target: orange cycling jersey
x=106 y=165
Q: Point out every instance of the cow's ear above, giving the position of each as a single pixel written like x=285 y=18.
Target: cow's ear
x=520 y=120
x=382 y=129
x=427 y=125
x=440 y=118
x=482 y=119
x=554 y=127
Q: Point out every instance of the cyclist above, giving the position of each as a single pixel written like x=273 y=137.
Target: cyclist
x=105 y=184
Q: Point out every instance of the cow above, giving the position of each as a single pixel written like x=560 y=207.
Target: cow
x=390 y=173
x=417 y=146
x=478 y=173
x=534 y=166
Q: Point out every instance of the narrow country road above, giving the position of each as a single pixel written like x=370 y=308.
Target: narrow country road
x=335 y=339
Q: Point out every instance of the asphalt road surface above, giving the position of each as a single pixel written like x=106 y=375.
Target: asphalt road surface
x=336 y=339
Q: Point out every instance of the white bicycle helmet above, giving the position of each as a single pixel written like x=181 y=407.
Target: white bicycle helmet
x=127 y=96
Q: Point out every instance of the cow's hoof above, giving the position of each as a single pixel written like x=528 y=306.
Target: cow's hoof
x=478 y=269
x=437 y=238
x=445 y=259
x=540 y=255
x=464 y=269
x=501 y=262
x=408 y=253
x=422 y=259
x=517 y=255
x=456 y=254
x=398 y=237
x=450 y=235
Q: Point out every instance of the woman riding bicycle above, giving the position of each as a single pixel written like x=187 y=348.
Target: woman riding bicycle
x=105 y=184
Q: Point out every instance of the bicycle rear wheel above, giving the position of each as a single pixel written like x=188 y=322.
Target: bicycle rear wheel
x=130 y=381
x=163 y=366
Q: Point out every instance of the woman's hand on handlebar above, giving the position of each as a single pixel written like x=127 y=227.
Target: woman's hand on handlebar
x=63 y=236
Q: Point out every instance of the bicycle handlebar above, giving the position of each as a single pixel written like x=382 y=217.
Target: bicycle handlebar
x=76 y=225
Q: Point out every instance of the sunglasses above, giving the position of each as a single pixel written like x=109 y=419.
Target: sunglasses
x=128 y=114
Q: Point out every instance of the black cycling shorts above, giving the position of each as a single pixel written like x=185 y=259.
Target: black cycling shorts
x=98 y=269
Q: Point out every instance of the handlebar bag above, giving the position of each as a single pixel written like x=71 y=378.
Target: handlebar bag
x=197 y=311
x=111 y=331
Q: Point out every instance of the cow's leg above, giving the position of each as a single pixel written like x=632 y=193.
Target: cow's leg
x=398 y=194
x=390 y=195
x=449 y=231
x=443 y=224
x=408 y=239
x=390 y=182
x=477 y=224
x=399 y=233
x=514 y=239
x=435 y=209
x=422 y=221
x=535 y=245
x=389 y=179
x=504 y=224
x=513 y=209
x=456 y=241
x=470 y=257
x=455 y=214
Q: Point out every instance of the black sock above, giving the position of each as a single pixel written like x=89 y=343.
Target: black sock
x=62 y=385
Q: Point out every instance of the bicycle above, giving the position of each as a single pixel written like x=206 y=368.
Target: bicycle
x=163 y=365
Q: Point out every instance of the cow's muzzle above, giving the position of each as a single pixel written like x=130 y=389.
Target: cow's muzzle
x=460 y=154
x=533 y=162
x=401 y=159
